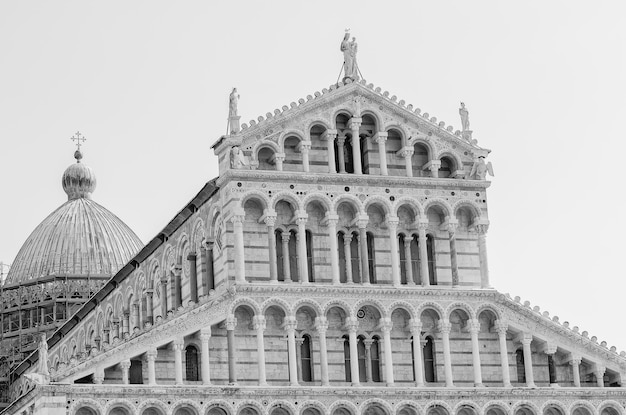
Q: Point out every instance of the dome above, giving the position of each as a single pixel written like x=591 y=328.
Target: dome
x=80 y=237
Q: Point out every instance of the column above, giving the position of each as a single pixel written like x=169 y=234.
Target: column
x=178 y=276
x=125 y=322
x=125 y=366
x=321 y=325
x=385 y=326
x=331 y=223
x=203 y=268
x=240 y=261
x=98 y=376
x=407 y=153
x=305 y=146
x=173 y=294
x=151 y=356
x=341 y=154
x=352 y=325
x=286 y=267
x=575 y=362
x=278 y=160
x=107 y=336
x=381 y=139
x=116 y=328
x=136 y=322
x=205 y=360
x=408 y=266
x=482 y=254
x=164 y=296
x=259 y=326
x=210 y=270
x=150 y=306
x=528 y=359
x=474 y=328
x=193 y=276
x=231 y=323
x=444 y=329
x=368 y=359
x=453 y=259
x=270 y=221
x=599 y=372
x=416 y=332
x=502 y=328
x=365 y=268
x=347 y=239
x=178 y=347
x=290 y=327
x=423 y=248
x=550 y=350
x=299 y=342
x=392 y=224
x=355 y=124
x=302 y=254
x=434 y=167
x=329 y=136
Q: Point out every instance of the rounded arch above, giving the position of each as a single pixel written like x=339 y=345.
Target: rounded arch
x=318 y=121
x=300 y=135
x=283 y=404
x=85 y=403
x=304 y=302
x=416 y=207
x=378 y=119
x=186 y=404
x=151 y=404
x=580 y=404
x=220 y=404
x=248 y=403
x=433 y=408
x=430 y=305
x=260 y=145
x=408 y=408
x=462 y=407
x=349 y=406
x=524 y=408
x=401 y=129
x=441 y=203
x=244 y=301
x=429 y=146
x=312 y=405
x=548 y=408
x=458 y=163
x=182 y=241
x=376 y=402
x=340 y=111
x=278 y=302
x=339 y=304
x=324 y=200
x=460 y=306
x=288 y=197
x=608 y=405
x=351 y=200
x=257 y=195
x=488 y=307
x=496 y=408
x=119 y=403
x=197 y=233
x=471 y=205
x=382 y=310
x=378 y=201
x=403 y=305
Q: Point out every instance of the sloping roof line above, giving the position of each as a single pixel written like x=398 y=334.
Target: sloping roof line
x=181 y=217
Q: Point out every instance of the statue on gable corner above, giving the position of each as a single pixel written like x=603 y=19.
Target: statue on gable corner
x=238 y=160
x=464 y=113
x=349 y=49
x=480 y=169
x=233 y=102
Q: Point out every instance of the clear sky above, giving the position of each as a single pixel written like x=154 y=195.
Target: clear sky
x=147 y=83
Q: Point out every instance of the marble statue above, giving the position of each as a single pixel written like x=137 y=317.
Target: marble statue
x=43 y=355
x=464 y=113
x=238 y=160
x=234 y=100
x=480 y=169
x=349 y=49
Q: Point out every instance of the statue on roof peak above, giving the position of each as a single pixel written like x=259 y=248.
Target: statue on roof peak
x=233 y=116
x=349 y=49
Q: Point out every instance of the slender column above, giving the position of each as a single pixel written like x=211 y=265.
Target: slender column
x=178 y=276
x=278 y=159
x=407 y=153
x=502 y=328
x=331 y=223
x=381 y=139
x=178 y=347
x=482 y=254
x=98 y=376
x=193 y=276
x=365 y=268
x=126 y=322
x=203 y=269
x=107 y=336
x=125 y=366
x=385 y=326
x=173 y=291
x=341 y=154
x=444 y=329
x=150 y=306
x=205 y=362
x=575 y=362
x=368 y=359
x=392 y=224
x=259 y=326
x=116 y=329
x=474 y=328
x=528 y=359
x=423 y=257
x=347 y=239
x=550 y=350
x=355 y=124
x=599 y=372
x=151 y=356
x=352 y=325
x=321 y=325
x=136 y=322
x=299 y=342
x=416 y=332
x=453 y=258
x=408 y=266
x=304 y=149
x=290 y=327
x=164 y=296
x=209 y=267
x=434 y=168
x=302 y=256
x=231 y=323
x=270 y=221
x=286 y=265
x=240 y=261
x=329 y=136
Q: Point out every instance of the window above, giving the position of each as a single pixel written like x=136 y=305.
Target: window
x=402 y=252
x=280 y=271
x=551 y=369
x=342 y=257
x=346 y=358
x=293 y=256
x=370 y=257
x=135 y=373
x=309 y=255
x=191 y=363
x=415 y=265
x=360 y=347
x=307 y=363
x=521 y=369
x=375 y=359
x=432 y=266
x=429 y=360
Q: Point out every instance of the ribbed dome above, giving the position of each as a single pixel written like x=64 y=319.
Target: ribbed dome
x=80 y=237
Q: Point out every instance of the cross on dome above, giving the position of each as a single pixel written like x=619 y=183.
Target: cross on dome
x=78 y=137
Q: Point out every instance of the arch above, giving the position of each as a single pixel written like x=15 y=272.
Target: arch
x=282 y=404
x=324 y=200
x=460 y=306
x=303 y=302
x=382 y=310
x=340 y=111
x=408 y=408
x=244 y=301
x=402 y=305
x=581 y=407
x=317 y=121
x=307 y=406
x=429 y=146
x=429 y=305
x=225 y=406
x=119 y=403
x=441 y=203
x=438 y=407
x=153 y=404
x=488 y=307
x=347 y=406
x=466 y=407
x=404 y=134
x=417 y=208
x=168 y=257
x=248 y=407
x=186 y=407
x=300 y=135
x=610 y=407
x=496 y=408
x=86 y=410
x=278 y=302
x=85 y=403
x=257 y=195
x=339 y=304
x=375 y=406
x=471 y=205
x=455 y=159
x=183 y=240
x=258 y=146
x=377 y=118
x=352 y=200
x=553 y=407
x=378 y=201
x=524 y=408
x=288 y=197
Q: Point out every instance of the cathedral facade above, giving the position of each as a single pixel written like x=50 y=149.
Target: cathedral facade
x=337 y=266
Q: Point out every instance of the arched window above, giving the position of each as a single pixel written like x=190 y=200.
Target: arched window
x=360 y=347
x=551 y=369
x=402 y=252
x=364 y=144
x=432 y=266
x=355 y=258
x=119 y=410
x=135 y=373
x=309 y=255
x=419 y=159
x=342 y=257
x=521 y=369
x=346 y=358
x=347 y=155
x=447 y=168
x=371 y=263
x=375 y=359
x=293 y=256
x=280 y=269
x=429 y=360
x=306 y=361
x=86 y=411
x=191 y=363
x=412 y=357
x=267 y=159
x=415 y=258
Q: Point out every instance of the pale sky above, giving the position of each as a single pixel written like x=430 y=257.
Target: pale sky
x=147 y=83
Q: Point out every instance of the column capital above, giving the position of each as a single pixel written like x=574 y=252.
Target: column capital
x=380 y=136
x=444 y=327
x=575 y=359
x=481 y=228
x=422 y=225
x=473 y=325
x=405 y=152
x=259 y=323
x=125 y=364
x=329 y=135
x=341 y=140
x=151 y=354
x=451 y=226
x=415 y=327
x=98 y=376
x=279 y=156
x=304 y=146
x=598 y=369
x=385 y=325
x=393 y=221
x=285 y=236
x=205 y=334
x=238 y=218
x=549 y=348
x=355 y=122
x=352 y=324
x=501 y=326
x=231 y=322
x=290 y=324
x=321 y=324
x=178 y=344
x=408 y=240
x=330 y=219
x=270 y=220
x=525 y=338
x=347 y=238
x=362 y=221
x=368 y=343
x=301 y=218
